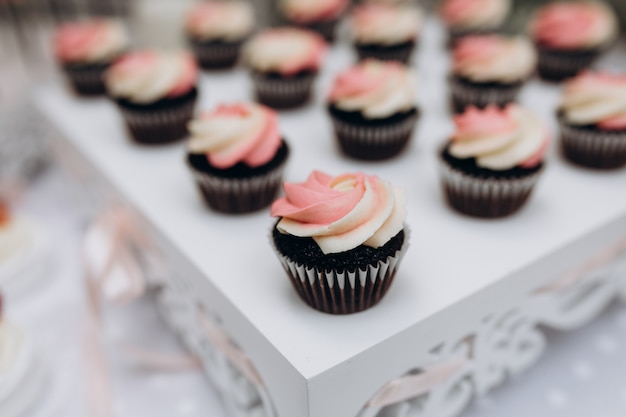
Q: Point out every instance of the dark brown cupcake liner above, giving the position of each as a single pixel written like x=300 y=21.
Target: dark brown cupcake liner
x=555 y=65
x=465 y=94
x=590 y=148
x=283 y=92
x=161 y=125
x=485 y=197
x=346 y=291
x=87 y=80
x=239 y=195
x=216 y=55
x=401 y=53
x=374 y=142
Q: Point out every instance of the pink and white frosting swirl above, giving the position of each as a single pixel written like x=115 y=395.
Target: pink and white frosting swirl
x=574 y=25
x=341 y=213
x=147 y=76
x=475 y=14
x=234 y=133
x=311 y=11
x=94 y=41
x=286 y=51
x=385 y=24
x=223 y=20
x=596 y=98
x=500 y=139
x=489 y=58
x=377 y=89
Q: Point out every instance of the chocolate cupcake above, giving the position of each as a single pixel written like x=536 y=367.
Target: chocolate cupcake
x=156 y=93
x=373 y=109
x=320 y=16
x=237 y=157
x=592 y=119
x=216 y=31
x=570 y=36
x=284 y=63
x=340 y=239
x=84 y=50
x=490 y=69
x=473 y=17
x=493 y=161
x=386 y=32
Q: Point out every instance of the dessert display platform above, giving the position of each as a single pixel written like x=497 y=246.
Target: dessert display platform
x=467 y=302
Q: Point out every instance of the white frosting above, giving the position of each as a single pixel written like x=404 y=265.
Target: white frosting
x=598 y=102
x=486 y=14
x=278 y=49
x=16 y=236
x=112 y=42
x=224 y=20
x=91 y=42
x=386 y=25
x=502 y=151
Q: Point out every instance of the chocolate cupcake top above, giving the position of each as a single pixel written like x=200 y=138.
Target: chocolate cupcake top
x=493 y=58
x=595 y=98
x=309 y=11
x=474 y=14
x=147 y=76
x=90 y=42
x=341 y=213
x=286 y=51
x=385 y=24
x=500 y=139
x=374 y=88
x=574 y=25
x=234 y=133
x=220 y=20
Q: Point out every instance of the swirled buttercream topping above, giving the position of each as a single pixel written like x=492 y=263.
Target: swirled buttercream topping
x=286 y=51
x=500 y=139
x=94 y=41
x=148 y=76
x=596 y=98
x=385 y=24
x=308 y=11
x=15 y=236
x=475 y=14
x=223 y=20
x=377 y=89
x=574 y=25
x=236 y=133
x=493 y=58
x=341 y=213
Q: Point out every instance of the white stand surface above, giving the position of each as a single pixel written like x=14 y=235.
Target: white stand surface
x=448 y=278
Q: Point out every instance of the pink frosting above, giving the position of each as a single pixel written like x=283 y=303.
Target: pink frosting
x=323 y=11
x=74 y=41
x=472 y=49
x=476 y=122
x=455 y=11
x=568 y=25
x=589 y=80
x=613 y=123
x=357 y=80
x=254 y=151
x=315 y=202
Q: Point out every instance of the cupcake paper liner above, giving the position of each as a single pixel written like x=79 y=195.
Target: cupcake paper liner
x=556 y=65
x=216 y=55
x=486 y=197
x=161 y=125
x=345 y=291
x=374 y=142
x=285 y=92
x=239 y=195
x=593 y=148
x=87 y=80
x=464 y=95
x=401 y=53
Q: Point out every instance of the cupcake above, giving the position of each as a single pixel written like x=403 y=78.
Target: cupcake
x=284 y=63
x=373 y=109
x=592 y=117
x=473 y=17
x=569 y=36
x=217 y=30
x=493 y=160
x=86 y=49
x=237 y=156
x=156 y=92
x=490 y=69
x=320 y=16
x=385 y=31
x=340 y=239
